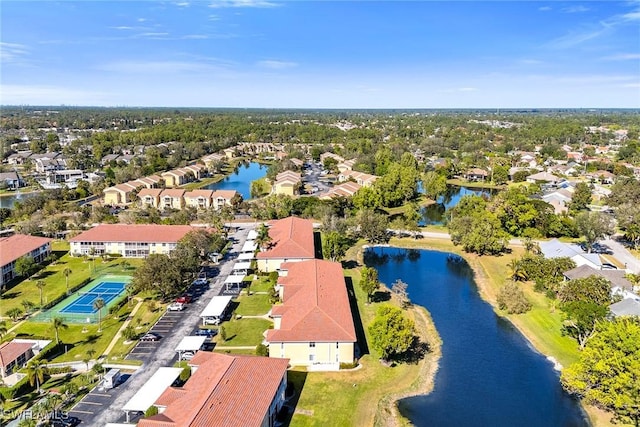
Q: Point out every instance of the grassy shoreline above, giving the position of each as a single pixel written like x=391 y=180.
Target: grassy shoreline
x=540 y=326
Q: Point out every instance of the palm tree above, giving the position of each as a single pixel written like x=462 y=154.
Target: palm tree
x=14 y=313
x=36 y=371
x=67 y=272
x=57 y=323
x=517 y=272
x=3 y=330
x=28 y=306
x=263 y=238
x=92 y=254
x=40 y=284
x=98 y=303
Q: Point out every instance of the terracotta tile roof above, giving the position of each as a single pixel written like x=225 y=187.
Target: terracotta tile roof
x=359 y=176
x=290 y=238
x=154 y=192
x=194 y=194
x=346 y=189
x=225 y=194
x=13 y=247
x=11 y=351
x=175 y=172
x=288 y=176
x=152 y=233
x=224 y=391
x=175 y=193
x=315 y=305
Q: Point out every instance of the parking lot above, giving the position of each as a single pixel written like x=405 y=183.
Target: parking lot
x=93 y=403
x=165 y=325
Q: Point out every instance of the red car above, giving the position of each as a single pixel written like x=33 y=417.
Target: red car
x=184 y=299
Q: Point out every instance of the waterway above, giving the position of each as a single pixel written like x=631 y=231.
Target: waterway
x=488 y=375
x=435 y=214
x=9 y=199
x=240 y=179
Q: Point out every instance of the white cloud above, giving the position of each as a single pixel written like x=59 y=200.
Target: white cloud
x=215 y=4
x=141 y=19
x=12 y=52
x=195 y=37
x=576 y=9
x=49 y=95
x=528 y=61
x=622 y=57
x=182 y=4
x=213 y=17
x=151 y=35
x=159 y=67
x=276 y=65
x=544 y=9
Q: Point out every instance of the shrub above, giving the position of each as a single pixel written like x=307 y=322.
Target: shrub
x=60 y=370
x=512 y=299
x=185 y=374
x=153 y=410
x=262 y=350
x=222 y=333
x=273 y=277
x=351 y=365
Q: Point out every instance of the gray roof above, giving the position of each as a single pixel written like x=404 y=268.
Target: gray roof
x=626 y=307
x=616 y=277
x=556 y=249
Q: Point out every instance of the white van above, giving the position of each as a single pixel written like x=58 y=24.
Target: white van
x=111 y=379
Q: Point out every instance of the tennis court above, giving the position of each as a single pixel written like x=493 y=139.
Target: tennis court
x=108 y=291
x=78 y=307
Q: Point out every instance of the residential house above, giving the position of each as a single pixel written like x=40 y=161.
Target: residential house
x=328 y=155
x=556 y=249
x=129 y=240
x=476 y=174
x=12 y=180
x=287 y=182
x=620 y=285
x=363 y=179
x=196 y=170
x=121 y=194
x=313 y=326
x=297 y=162
x=211 y=161
x=174 y=178
x=346 y=189
x=347 y=165
x=545 y=177
x=224 y=390
x=16 y=246
x=222 y=198
x=19 y=158
x=603 y=177
x=151 y=181
x=109 y=158
x=14 y=356
x=292 y=240
x=625 y=307
x=150 y=197
x=199 y=199
x=172 y=198
x=230 y=153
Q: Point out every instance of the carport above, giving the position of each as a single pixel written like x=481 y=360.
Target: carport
x=191 y=343
x=234 y=279
x=241 y=268
x=252 y=235
x=215 y=309
x=247 y=256
x=151 y=390
x=249 y=246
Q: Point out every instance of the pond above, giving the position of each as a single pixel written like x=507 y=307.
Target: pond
x=240 y=179
x=489 y=375
x=8 y=200
x=435 y=214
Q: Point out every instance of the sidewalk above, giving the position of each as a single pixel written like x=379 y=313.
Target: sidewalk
x=115 y=339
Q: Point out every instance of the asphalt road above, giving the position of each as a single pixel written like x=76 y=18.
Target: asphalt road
x=101 y=407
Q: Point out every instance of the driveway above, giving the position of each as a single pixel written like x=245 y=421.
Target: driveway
x=172 y=327
x=622 y=254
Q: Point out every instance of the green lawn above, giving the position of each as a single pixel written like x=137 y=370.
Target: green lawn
x=141 y=322
x=359 y=391
x=55 y=281
x=469 y=184
x=253 y=305
x=261 y=285
x=244 y=332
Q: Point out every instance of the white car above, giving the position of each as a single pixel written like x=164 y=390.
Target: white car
x=187 y=355
x=176 y=306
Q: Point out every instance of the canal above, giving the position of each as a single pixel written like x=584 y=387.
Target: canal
x=489 y=375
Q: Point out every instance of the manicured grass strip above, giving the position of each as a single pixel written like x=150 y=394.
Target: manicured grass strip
x=244 y=332
x=253 y=305
x=261 y=285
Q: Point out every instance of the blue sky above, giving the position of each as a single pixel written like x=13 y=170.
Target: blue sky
x=321 y=54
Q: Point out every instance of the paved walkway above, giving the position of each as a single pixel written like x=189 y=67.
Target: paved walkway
x=115 y=339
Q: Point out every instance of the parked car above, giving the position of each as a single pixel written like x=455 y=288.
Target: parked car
x=176 y=306
x=184 y=299
x=200 y=281
x=150 y=337
x=207 y=332
x=188 y=355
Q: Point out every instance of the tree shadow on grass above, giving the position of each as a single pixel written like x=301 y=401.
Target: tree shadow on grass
x=416 y=353
x=381 y=296
x=347 y=265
